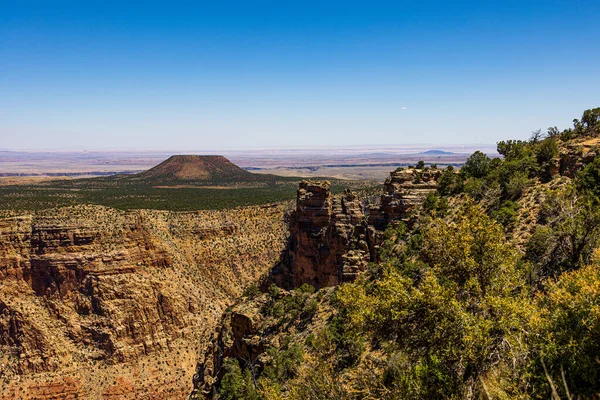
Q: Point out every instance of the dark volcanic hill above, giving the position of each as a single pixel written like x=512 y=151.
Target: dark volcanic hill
x=200 y=169
x=437 y=152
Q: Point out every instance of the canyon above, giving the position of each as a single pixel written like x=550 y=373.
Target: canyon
x=101 y=303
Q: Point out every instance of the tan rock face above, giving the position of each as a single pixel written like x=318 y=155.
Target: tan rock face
x=96 y=303
x=403 y=191
x=240 y=335
x=309 y=228
x=323 y=230
x=575 y=154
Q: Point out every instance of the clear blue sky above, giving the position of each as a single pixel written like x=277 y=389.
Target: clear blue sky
x=234 y=74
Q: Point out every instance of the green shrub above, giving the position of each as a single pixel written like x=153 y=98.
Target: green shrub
x=516 y=185
x=570 y=335
x=450 y=182
x=588 y=179
x=282 y=362
x=435 y=205
x=251 y=291
x=237 y=384
x=477 y=165
x=450 y=326
x=475 y=188
x=506 y=215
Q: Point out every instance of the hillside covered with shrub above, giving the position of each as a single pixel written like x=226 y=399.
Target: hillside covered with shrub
x=490 y=290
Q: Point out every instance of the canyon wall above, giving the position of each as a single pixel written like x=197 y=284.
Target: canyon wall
x=99 y=303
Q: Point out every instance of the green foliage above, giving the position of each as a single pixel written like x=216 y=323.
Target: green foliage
x=553 y=132
x=289 y=306
x=143 y=197
x=511 y=175
x=320 y=379
x=537 y=247
x=274 y=291
x=588 y=179
x=476 y=188
x=566 y=135
x=237 y=384
x=472 y=253
x=499 y=179
x=348 y=345
x=589 y=123
x=512 y=149
x=506 y=215
x=253 y=383
x=545 y=152
x=399 y=245
x=435 y=205
x=132 y=195
x=450 y=182
x=282 y=363
x=569 y=335
x=477 y=165
x=516 y=185
x=420 y=165
x=460 y=320
x=251 y=291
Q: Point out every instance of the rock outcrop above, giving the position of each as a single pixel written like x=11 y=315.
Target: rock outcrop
x=403 y=191
x=237 y=337
x=328 y=241
x=246 y=334
x=332 y=240
x=575 y=154
x=99 y=303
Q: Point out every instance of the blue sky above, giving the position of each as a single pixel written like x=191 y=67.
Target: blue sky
x=234 y=74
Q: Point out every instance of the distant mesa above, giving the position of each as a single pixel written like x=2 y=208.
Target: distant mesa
x=437 y=152
x=196 y=169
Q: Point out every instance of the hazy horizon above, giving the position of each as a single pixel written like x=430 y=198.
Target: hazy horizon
x=409 y=148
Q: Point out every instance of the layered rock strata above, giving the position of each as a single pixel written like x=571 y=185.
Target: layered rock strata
x=328 y=241
x=99 y=303
x=403 y=191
